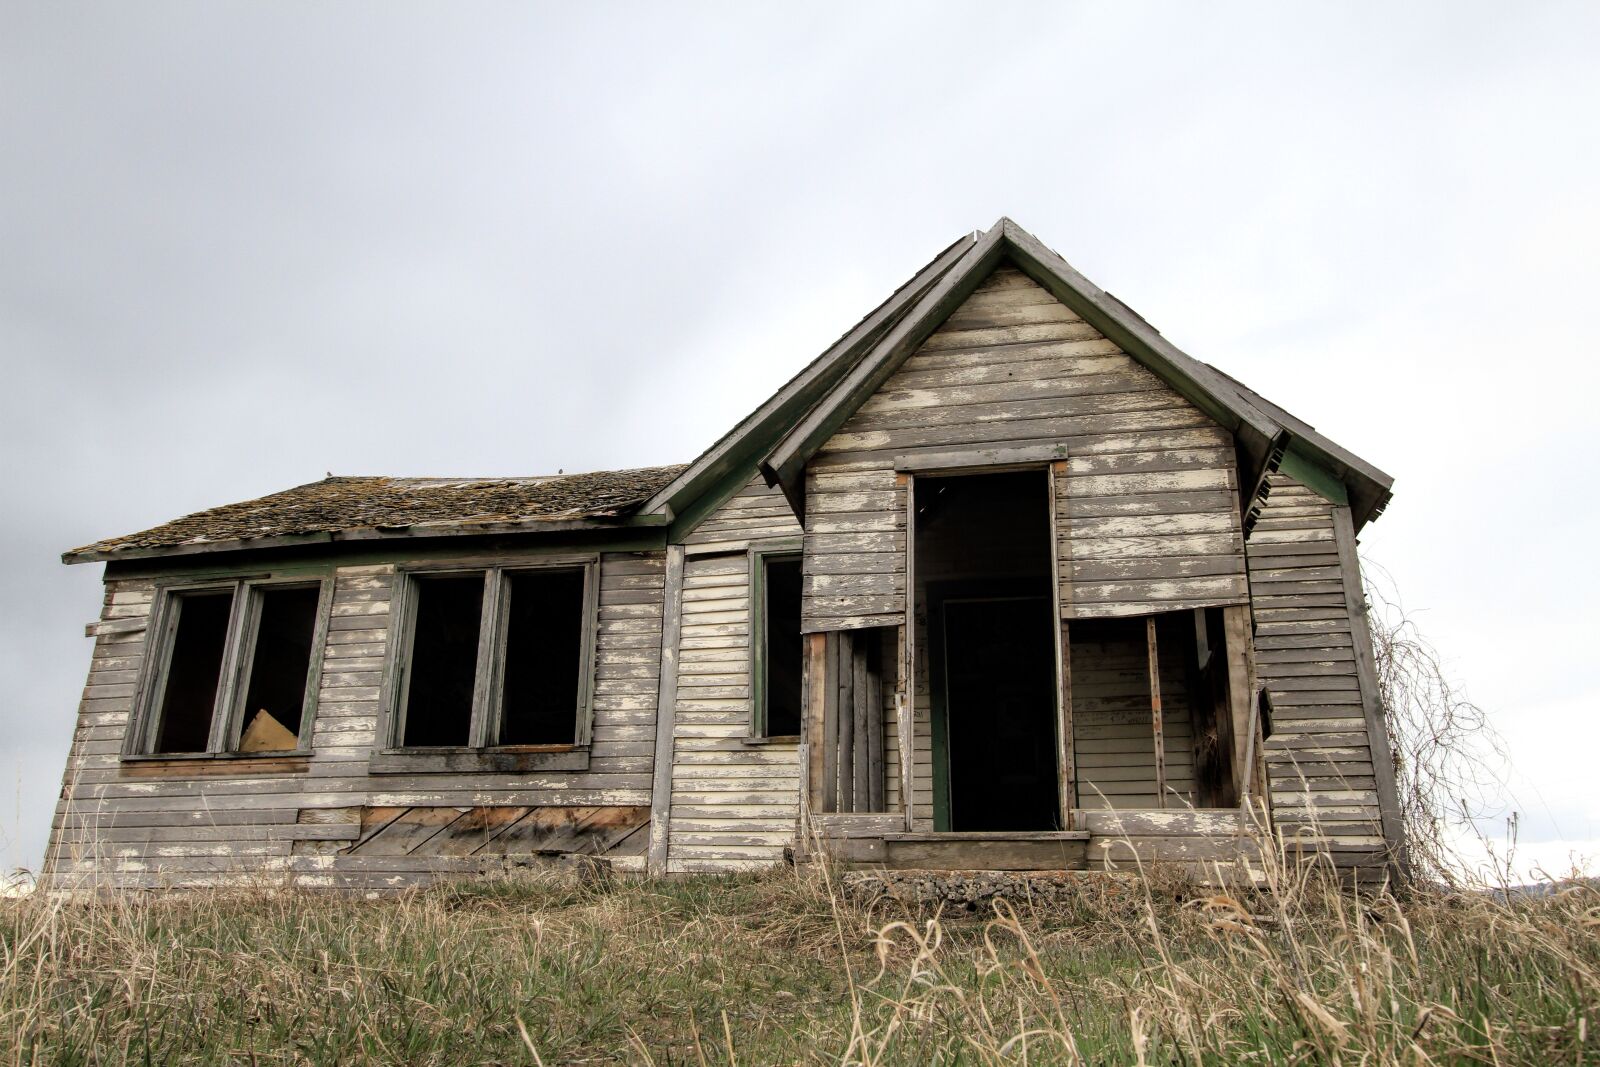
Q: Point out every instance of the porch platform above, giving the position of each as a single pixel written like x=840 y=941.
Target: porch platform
x=1056 y=850
x=1195 y=839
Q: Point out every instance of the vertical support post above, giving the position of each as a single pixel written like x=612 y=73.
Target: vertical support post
x=876 y=765
x=814 y=686
x=830 y=722
x=861 y=761
x=908 y=649
x=1066 y=758
x=845 y=702
x=1156 y=726
x=666 y=713
x=1241 y=691
x=902 y=707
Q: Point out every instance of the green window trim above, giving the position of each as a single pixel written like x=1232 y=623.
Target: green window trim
x=227 y=721
x=487 y=710
x=760 y=554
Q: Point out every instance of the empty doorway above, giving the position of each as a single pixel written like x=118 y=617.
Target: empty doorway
x=982 y=564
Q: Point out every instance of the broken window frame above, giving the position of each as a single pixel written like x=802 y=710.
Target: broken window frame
x=760 y=554
x=238 y=652
x=487 y=710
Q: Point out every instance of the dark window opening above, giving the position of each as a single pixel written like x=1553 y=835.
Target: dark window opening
x=781 y=656
x=279 y=667
x=543 y=658
x=444 y=660
x=194 y=671
x=1113 y=711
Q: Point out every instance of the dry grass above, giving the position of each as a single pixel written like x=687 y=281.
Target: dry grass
x=780 y=968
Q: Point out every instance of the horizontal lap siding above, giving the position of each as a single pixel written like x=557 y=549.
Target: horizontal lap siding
x=1319 y=760
x=1147 y=511
x=734 y=804
x=225 y=825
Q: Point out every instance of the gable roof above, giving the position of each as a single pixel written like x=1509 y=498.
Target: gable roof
x=736 y=452
x=1262 y=431
x=777 y=438
x=358 y=508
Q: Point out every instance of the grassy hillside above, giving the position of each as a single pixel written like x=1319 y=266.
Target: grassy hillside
x=780 y=968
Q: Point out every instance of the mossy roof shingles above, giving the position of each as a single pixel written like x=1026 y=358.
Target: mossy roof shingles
x=382 y=504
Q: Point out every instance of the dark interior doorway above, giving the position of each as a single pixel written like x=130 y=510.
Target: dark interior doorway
x=983 y=573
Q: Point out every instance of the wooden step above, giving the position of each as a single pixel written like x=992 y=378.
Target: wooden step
x=1049 y=850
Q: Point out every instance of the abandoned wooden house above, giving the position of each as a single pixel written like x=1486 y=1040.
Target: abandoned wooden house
x=1002 y=580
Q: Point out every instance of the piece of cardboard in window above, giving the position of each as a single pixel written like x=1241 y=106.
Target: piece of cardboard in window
x=266 y=734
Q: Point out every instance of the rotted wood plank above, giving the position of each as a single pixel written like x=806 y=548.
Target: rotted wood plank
x=666 y=711
x=876 y=765
x=215 y=768
x=861 y=762
x=408 y=832
x=847 y=722
x=1155 y=712
x=816 y=651
x=830 y=721
x=471 y=832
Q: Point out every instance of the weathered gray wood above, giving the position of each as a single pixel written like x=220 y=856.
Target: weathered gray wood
x=981 y=457
x=906 y=688
x=861 y=761
x=1371 y=695
x=830 y=728
x=1156 y=727
x=876 y=763
x=845 y=702
x=666 y=712
x=1047 y=851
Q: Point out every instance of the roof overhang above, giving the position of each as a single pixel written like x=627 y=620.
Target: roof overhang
x=727 y=465
x=1262 y=431
x=566 y=527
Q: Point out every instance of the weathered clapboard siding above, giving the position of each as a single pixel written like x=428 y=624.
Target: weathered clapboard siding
x=735 y=804
x=1147 y=511
x=754 y=513
x=1319 y=760
x=215 y=825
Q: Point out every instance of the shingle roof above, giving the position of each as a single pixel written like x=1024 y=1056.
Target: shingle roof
x=391 y=505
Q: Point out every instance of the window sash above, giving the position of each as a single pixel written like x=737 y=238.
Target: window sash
x=227 y=718
x=488 y=690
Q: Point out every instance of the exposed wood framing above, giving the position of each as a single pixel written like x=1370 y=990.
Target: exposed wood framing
x=1155 y=712
x=816 y=724
x=1066 y=768
x=666 y=708
x=907 y=688
x=1241 y=691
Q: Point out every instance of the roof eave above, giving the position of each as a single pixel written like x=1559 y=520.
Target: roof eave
x=367 y=534
x=744 y=444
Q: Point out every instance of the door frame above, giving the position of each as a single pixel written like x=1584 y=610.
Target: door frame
x=1052 y=460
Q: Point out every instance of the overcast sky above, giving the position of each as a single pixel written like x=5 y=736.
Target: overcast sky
x=243 y=245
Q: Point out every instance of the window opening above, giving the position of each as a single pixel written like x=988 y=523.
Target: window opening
x=194 y=671
x=448 y=616
x=543 y=658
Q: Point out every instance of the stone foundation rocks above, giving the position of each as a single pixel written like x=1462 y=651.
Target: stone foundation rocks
x=972 y=890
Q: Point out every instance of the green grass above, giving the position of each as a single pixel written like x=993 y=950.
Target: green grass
x=778 y=968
